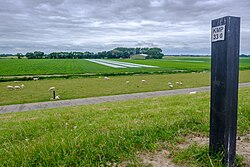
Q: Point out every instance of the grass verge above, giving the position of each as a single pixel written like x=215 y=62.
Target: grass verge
x=108 y=133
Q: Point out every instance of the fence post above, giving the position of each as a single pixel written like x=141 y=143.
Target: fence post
x=224 y=87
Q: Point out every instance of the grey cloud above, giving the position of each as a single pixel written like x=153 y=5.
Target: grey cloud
x=177 y=26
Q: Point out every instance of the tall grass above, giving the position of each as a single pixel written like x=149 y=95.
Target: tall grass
x=108 y=133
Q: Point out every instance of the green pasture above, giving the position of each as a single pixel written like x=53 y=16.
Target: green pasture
x=10 y=67
x=37 y=91
x=14 y=67
x=187 y=63
x=114 y=133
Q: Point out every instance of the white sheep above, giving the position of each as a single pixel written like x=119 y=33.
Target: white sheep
x=22 y=86
x=169 y=83
x=57 y=97
x=52 y=89
x=16 y=81
x=171 y=86
x=35 y=79
x=17 y=87
x=106 y=78
x=143 y=81
x=179 y=83
x=191 y=93
x=127 y=82
x=10 y=87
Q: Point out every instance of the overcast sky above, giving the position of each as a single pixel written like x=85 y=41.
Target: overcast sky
x=176 y=26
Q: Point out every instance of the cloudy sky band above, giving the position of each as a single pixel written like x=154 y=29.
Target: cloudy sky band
x=177 y=26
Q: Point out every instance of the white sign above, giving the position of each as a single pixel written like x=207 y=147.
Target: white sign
x=218 y=33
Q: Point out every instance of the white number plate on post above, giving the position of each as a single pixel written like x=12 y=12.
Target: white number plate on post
x=218 y=33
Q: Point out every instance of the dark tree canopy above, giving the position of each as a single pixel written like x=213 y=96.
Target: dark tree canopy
x=120 y=52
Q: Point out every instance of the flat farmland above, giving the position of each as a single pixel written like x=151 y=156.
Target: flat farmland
x=37 y=91
x=187 y=63
x=14 y=67
x=18 y=67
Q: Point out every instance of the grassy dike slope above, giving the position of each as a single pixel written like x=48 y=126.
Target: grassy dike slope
x=102 y=134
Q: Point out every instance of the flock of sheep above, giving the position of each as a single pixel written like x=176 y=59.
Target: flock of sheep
x=15 y=87
x=51 y=89
x=10 y=87
x=57 y=97
x=170 y=85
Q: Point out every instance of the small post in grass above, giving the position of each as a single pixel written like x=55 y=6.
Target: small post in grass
x=224 y=87
x=54 y=94
x=53 y=90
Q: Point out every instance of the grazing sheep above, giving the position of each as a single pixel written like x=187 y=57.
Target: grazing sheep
x=57 y=97
x=52 y=89
x=35 y=79
x=10 y=87
x=179 y=83
x=127 y=82
x=143 y=81
x=106 y=78
x=191 y=93
x=16 y=81
x=171 y=86
x=17 y=87
x=22 y=86
x=169 y=83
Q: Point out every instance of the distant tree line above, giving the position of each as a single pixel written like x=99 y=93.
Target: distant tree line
x=120 y=52
x=244 y=55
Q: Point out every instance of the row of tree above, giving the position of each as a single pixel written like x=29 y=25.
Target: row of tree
x=153 y=53
x=121 y=52
x=244 y=55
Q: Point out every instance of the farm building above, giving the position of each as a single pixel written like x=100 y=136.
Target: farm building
x=138 y=56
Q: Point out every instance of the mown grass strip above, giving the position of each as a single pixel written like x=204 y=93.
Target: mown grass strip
x=37 y=91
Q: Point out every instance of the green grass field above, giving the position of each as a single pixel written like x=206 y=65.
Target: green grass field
x=37 y=91
x=108 y=133
x=13 y=67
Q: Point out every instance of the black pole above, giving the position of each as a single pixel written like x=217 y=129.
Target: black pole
x=224 y=87
x=54 y=94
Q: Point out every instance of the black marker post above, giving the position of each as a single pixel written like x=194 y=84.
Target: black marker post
x=224 y=87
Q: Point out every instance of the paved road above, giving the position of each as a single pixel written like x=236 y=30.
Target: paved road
x=95 y=100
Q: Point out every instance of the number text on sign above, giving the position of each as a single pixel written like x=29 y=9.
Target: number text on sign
x=218 y=33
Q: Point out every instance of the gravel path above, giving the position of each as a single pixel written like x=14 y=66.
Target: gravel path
x=95 y=100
